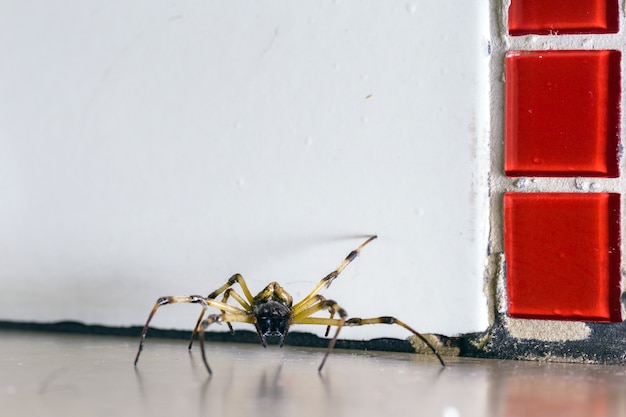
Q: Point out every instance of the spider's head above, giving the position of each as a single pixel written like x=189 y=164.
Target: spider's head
x=272 y=319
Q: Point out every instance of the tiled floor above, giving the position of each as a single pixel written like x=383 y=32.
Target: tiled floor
x=61 y=375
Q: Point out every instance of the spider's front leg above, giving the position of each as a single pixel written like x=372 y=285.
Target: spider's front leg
x=161 y=302
x=328 y=279
x=195 y=299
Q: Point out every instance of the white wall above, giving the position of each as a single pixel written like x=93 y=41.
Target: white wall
x=154 y=148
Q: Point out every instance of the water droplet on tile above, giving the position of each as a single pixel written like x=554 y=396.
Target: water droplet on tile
x=581 y=184
x=521 y=183
x=587 y=43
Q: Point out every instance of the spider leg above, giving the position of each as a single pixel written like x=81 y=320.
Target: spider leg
x=328 y=279
x=195 y=329
x=301 y=311
x=196 y=299
x=227 y=294
x=304 y=318
x=392 y=320
x=219 y=318
x=232 y=293
x=235 y=279
x=332 y=316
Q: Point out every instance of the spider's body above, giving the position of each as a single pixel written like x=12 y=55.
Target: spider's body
x=272 y=311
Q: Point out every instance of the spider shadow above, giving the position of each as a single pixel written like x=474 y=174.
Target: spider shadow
x=270 y=387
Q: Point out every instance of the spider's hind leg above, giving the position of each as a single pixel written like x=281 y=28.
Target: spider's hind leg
x=304 y=317
x=392 y=320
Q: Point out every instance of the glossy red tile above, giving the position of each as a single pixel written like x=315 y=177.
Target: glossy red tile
x=563 y=255
x=563 y=16
x=562 y=111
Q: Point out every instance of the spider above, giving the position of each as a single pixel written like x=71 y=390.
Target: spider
x=272 y=311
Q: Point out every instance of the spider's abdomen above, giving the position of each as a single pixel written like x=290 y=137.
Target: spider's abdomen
x=272 y=319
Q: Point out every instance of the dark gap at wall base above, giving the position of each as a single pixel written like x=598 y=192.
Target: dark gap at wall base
x=605 y=345
x=240 y=336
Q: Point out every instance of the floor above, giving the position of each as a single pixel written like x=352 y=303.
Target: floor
x=43 y=374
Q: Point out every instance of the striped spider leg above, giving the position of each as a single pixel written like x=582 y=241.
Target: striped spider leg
x=318 y=303
x=228 y=292
x=195 y=299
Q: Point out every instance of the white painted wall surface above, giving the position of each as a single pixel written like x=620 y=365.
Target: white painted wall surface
x=153 y=148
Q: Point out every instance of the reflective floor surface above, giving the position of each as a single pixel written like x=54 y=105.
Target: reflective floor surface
x=44 y=374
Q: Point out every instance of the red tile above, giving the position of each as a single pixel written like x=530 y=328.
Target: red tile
x=562 y=113
x=563 y=255
x=563 y=16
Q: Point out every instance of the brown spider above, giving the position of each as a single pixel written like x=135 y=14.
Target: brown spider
x=272 y=311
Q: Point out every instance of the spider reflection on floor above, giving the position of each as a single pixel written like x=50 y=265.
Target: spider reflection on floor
x=272 y=311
